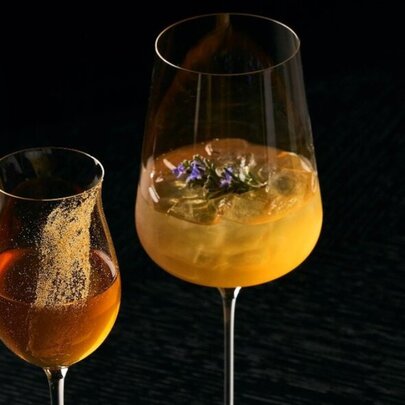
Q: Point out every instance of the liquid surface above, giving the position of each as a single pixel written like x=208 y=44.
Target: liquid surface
x=235 y=239
x=55 y=334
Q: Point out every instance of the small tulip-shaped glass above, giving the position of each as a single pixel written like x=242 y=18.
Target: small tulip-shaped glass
x=60 y=286
x=228 y=195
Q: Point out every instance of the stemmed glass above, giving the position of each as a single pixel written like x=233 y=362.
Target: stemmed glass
x=60 y=286
x=228 y=194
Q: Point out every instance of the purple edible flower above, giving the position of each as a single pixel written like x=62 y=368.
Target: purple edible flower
x=197 y=171
x=226 y=177
x=179 y=170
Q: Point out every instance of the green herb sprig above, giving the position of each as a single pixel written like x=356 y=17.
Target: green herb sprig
x=218 y=180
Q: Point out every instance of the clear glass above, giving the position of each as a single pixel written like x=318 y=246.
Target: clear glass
x=60 y=285
x=228 y=195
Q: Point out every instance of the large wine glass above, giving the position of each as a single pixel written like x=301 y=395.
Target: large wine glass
x=228 y=195
x=60 y=286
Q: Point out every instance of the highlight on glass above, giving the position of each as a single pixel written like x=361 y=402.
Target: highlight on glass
x=228 y=195
x=60 y=284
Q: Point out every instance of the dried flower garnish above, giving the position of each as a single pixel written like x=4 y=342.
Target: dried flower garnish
x=218 y=180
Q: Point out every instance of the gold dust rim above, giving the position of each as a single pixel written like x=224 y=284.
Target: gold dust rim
x=279 y=23
x=60 y=148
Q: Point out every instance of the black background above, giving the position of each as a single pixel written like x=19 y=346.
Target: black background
x=330 y=332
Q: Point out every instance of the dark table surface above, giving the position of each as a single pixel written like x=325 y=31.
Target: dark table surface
x=330 y=332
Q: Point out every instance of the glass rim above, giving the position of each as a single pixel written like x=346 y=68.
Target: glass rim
x=257 y=71
x=61 y=148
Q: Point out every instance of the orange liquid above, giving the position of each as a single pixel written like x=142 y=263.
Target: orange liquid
x=58 y=335
x=234 y=240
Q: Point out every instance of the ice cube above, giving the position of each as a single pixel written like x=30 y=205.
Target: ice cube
x=289 y=182
x=169 y=193
x=284 y=183
x=288 y=189
x=250 y=207
x=198 y=210
x=288 y=160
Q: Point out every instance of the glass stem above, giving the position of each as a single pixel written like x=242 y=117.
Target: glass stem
x=56 y=381
x=228 y=302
